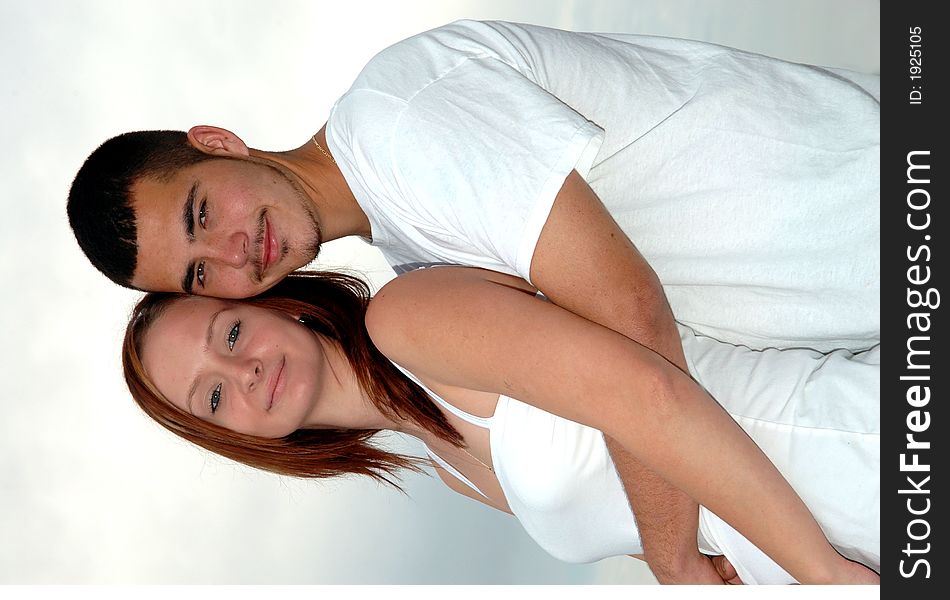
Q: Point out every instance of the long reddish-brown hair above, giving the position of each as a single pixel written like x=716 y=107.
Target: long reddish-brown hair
x=334 y=306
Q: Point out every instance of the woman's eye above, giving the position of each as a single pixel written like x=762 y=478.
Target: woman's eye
x=233 y=335
x=203 y=213
x=215 y=398
x=200 y=273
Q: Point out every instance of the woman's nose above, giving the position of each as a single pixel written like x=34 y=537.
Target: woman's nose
x=252 y=375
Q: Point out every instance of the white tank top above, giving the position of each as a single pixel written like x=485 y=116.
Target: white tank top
x=549 y=469
x=561 y=483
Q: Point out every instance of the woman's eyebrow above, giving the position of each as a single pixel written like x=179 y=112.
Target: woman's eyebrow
x=194 y=384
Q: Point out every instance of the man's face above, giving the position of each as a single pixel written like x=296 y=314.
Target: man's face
x=229 y=228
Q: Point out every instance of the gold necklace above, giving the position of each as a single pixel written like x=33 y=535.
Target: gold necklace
x=479 y=460
x=320 y=148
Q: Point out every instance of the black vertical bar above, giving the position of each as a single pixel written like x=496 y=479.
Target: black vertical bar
x=915 y=370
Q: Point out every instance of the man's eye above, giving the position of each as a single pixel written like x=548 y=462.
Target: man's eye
x=215 y=398
x=203 y=213
x=200 y=273
x=233 y=335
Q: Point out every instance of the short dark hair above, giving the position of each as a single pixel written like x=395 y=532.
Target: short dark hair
x=100 y=204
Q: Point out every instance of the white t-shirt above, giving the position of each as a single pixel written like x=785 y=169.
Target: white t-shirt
x=750 y=184
x=419 y=137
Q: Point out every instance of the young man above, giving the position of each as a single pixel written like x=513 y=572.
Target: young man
x=542 y=153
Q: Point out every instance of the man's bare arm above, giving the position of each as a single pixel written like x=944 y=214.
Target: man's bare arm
x=585 y=263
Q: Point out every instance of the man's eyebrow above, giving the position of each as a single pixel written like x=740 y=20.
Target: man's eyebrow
x=186 y=281
x=188 y=212
x=194 y=384
x=188 y=220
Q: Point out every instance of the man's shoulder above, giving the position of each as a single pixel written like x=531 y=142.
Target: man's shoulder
x=408 y=66
x=391 y=80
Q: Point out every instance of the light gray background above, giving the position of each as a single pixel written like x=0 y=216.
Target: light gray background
x=93 y=492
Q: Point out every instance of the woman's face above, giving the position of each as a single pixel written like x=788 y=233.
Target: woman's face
x=250 y=369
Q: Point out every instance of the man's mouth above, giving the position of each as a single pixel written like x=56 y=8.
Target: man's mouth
x=276 y=385
x=270 y=251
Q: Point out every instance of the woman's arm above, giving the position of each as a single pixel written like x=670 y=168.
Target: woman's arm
x=460 y=328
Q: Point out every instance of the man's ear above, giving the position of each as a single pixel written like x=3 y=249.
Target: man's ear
x=217 y=141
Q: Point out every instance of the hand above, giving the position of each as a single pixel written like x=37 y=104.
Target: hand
x=855 y=573
x=697 y=569
x=844 y=571
x=725 y=570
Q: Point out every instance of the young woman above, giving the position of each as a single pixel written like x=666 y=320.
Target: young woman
x=477 y=366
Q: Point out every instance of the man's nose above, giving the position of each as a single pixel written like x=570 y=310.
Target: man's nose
x=230 y=249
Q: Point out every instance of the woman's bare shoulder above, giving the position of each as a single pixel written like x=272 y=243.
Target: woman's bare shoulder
x=430 y=298
x=424 y=280
x=465 y=328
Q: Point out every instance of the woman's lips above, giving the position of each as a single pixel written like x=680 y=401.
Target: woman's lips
x=277 y=385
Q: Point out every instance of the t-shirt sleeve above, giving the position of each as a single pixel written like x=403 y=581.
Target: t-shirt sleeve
x=479 y=156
